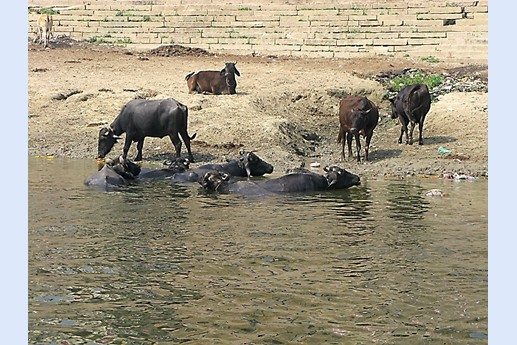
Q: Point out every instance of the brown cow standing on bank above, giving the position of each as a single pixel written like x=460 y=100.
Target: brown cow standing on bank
x=411 y=105
x=357 y=115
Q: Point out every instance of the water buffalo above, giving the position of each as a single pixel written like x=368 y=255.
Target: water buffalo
x=357 y=115
x=113 y=173
x=248 y=164
x=214 y=82
x=177 y=165
x=298 y=182
x=141 y=118
x=411 y=106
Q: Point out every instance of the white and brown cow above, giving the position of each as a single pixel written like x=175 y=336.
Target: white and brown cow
x=44 y=29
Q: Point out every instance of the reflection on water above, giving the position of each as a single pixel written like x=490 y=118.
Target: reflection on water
x=162 y=263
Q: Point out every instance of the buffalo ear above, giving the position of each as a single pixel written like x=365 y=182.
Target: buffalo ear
x=392 y=100
x=223 y=71
x=237 y=71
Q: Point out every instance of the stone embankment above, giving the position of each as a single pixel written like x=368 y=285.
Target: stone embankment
x=316 y=28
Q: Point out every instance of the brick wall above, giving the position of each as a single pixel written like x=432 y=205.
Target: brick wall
x=315 y=28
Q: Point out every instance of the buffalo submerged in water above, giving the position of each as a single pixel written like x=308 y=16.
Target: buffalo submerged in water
x=296 y=182
x=114 y=173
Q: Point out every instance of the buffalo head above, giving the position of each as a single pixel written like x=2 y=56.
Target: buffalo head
x=229 y=71
x=394 y=113
x=213 y=179
x=124 y=167
x=339 y=178
x=254 y=165
x=107 y=139
x=179 y=164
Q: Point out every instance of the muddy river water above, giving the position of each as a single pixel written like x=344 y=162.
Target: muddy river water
x=164 y=263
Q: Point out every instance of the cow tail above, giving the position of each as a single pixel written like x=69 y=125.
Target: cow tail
x=340 y=136
x=187 y=77
x=185 y=108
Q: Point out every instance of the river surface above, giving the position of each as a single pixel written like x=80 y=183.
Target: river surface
x=164 y=263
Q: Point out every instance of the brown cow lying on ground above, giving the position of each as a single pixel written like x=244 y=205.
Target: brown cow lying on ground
x=44 y=29
x=214 y=82
x=357 y=115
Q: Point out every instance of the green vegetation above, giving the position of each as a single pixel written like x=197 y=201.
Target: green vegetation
x=430 y=80
x=50 y=11
x=244 y=9
x=102 y=40
x=431 y=59
x=96 y=40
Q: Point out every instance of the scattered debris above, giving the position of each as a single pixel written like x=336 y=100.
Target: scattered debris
x=436 y=192
x=444 y=150
x=60 y=96
x=454 y=80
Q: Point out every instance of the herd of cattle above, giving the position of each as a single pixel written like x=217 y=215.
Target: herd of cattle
x=141 y=118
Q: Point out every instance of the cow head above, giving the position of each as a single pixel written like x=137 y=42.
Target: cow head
x=254 y=165
x=213 y=179
x=124 y=167
x=394 y=113
x=107 y=139
x=339 y=178
x=229 y=71
x=359 y=118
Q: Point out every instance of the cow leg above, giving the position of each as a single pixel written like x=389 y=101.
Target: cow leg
x=176 y=142
x=343 y=143
x=367 y=146
x=349 y=144
x=139 y=148
x=127 y=145
x=403 y=129
x=411 y=133
x=186 y=140
x=420 y=129
x=401 y=133
x=358 y=146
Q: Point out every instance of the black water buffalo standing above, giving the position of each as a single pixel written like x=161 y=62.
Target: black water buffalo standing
x=411 y=106
x=357 y=115
x=141 y=118
x=214 y=82
x=113 y=173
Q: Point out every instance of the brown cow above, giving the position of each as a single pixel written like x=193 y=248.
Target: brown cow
x=214 y=82
x=357 y=115
x=44 y=29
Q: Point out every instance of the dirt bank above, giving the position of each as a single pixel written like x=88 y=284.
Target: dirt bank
x=284 y=109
